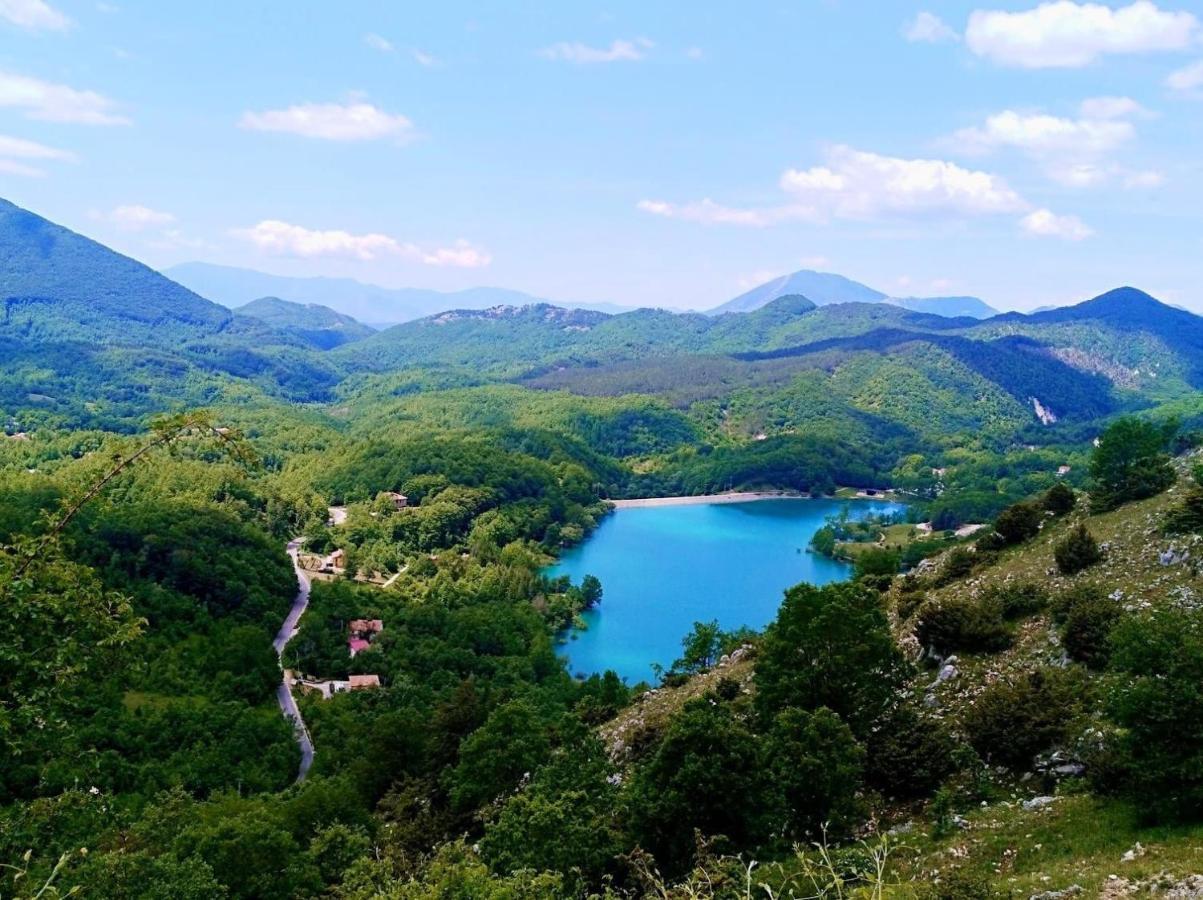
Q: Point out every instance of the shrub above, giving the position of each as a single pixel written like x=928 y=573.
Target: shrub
x=1187 y=515
x=1160 y=709
x=1076 y=551
x=1089 y=617
x=1012 y=721
x=909 y=752
x=959 y=563
x=1018 y=523
x=1059 y=499
x=1017 y=601
x=962 y=624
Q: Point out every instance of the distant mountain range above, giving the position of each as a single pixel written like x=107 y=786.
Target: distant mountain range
x=826 y=288
x=368 y=303
x=88 y=336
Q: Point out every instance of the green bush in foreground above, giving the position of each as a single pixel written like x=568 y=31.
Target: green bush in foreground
x=1012 y=721
x=1076 y=551
x=956 y=624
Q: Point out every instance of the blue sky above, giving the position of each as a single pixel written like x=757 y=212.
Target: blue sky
x=663 y=154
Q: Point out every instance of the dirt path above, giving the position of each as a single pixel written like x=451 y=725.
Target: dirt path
x=288 y=704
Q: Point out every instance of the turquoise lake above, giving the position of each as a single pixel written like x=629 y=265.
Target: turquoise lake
x=664 y=568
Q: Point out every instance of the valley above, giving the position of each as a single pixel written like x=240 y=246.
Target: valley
x=539 y=645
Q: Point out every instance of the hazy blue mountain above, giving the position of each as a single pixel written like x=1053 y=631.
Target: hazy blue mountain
x=368 y=303
x=821 y=288
x=826 y=289
x=952 y=307
x=319 y=326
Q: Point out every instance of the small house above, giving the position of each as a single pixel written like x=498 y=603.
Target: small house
x=336 y=561
x=399 y=501
x=357 y=645
x=363 y=682
x=361 y=633
x=1062 y=471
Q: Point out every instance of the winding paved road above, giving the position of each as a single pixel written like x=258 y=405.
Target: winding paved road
x=288 y=705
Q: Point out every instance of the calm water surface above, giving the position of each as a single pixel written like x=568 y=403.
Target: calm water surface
x=664 y=568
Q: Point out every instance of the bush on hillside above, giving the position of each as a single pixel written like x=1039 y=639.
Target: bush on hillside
x=962 y=624
x=1018 y=522
x=1076 y=551
x=876 y=562
x=1088 y=617
x=1018 y=600
x=1059 y=499
x=910 y=753
x=816 y=765
x=959 y=563
x=1012 y=721
x=1160 y=708
x=1187 y=515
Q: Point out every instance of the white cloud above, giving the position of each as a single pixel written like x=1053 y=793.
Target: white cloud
x=928 y=28
x=1073 y=152
x=462 y=256
x=135 y=217
x=13 y=149
x=1043 y=223
x=424 y=59
x=1146 y=179
x=285 y=239
x=814 y=262
x=376 y=42
x=707 y=212
x=1113 y=108
x=1044 y=135
x=356 y=121
x=1188 y=78
x=56 y=102
x=33 y=14
x=618 y=51
x=855 y=184
x=1065 y=34
x=23 y=149
x=695 y=53
x=860 y=185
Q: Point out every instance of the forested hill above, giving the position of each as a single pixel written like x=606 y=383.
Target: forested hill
x=318 y=325
x=56 y=283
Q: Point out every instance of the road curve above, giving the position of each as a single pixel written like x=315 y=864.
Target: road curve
x=288 y=705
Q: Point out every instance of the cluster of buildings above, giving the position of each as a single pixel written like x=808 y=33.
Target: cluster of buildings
x=361 y=633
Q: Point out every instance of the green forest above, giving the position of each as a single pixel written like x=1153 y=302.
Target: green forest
x=1001 y=703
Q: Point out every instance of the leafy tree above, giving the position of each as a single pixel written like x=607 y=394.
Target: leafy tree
x=1076 y=551
x=816 y=765
x=909 y=753
x=706 y=775
x=1131 y=461
x=962 y=624
x=493 y=759
x=831 y=647
x=1159 y=706
x=1018 y=522
x=700 y=648
x=1059 y=499
x=1012 y=721
x=1187 y=515
x=876 y=561
x=591 y=591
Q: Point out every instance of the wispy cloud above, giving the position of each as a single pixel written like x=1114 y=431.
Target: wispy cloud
x=928 y=28
x=1043 y=223
x=424 y=59
x=134 y=217
x=1071 y=151
x=331 y=122
x=15 y=154
x=51 y=102
x=35 y=15
x=285 y=239
x=376 y=42
x=1187 y=79
x=863 y=186
x=582 y=54
x=1065 y=34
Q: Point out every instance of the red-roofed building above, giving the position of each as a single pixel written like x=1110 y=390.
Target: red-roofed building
x=361 y=682
x=357 y=645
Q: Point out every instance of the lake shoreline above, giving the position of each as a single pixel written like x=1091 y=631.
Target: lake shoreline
x=695 y=499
